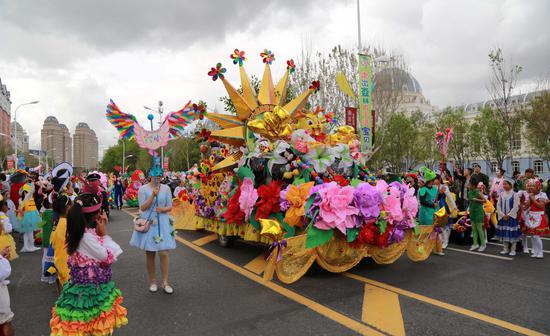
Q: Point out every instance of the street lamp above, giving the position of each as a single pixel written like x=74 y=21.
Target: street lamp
x=123 y=162
x=159 y=111
x=15 y=126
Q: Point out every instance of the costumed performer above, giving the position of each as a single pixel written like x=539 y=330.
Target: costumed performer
x=6 y=315
x=89 y=304
x=155 y=204
x=507 y=230
x=447 y=200
x=536 y=222
x=477 y=215
x=6 y=240
x=427 y=197
x=28 y=217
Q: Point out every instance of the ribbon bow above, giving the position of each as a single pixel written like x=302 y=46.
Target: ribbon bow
x=279 y=245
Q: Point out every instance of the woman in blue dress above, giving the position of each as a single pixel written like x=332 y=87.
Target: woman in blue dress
x=155 y=203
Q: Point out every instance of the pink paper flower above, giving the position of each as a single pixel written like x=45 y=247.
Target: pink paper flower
x=248 y=197
x=335 y=210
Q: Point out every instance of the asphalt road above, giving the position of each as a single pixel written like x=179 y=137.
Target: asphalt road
x=458 y=294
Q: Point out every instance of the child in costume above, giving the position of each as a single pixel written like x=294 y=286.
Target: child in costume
x=536 y=222
x=477 y=215
x=6 y=240
x=28 y=217
x=12 y=212
x=507 y=230
x=447 y=200
x=89 y=304
x=46 y=225
x=6 y=315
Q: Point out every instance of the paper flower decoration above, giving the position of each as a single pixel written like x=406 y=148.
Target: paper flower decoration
x=234 y=214
x=283 y=203
x=410 y=207
x=200 y=109
x=269 y=199
x=296 y=197
x=367 y=201
x=335 y=210
x=321 y=157
x=343 y=153
x=392 y=205
x=217 y=72
x=442 y=140
x=315 y=86
x=267 y=56
x=238 y=57
x=248 y=197
x=291 y=67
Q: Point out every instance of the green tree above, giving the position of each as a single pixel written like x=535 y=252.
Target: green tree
x=183 y=153
x=136 y=157
x=537 y=119
x=488 y=137
x=459 y=147
x=5 y=150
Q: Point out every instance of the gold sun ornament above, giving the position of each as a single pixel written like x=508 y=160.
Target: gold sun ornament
x=264 y=113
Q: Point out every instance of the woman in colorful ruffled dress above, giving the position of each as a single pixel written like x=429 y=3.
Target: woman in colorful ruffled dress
x=536 y=223
x=89 y=304
x=155 y=204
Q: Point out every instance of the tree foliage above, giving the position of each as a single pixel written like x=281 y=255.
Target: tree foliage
x=537 y=120
x=489 y=139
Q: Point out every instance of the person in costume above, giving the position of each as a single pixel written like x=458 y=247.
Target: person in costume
x=6 y=240
x=12 y=212
x=497 y=185
x=118 y=189
x=60 y=207
x=155 y=204
x=536 y=222
x=427 y=197
x=89 y=304
x=477 y=215
x=29 y=218
x=447 y=200
x=6 y=315
x=507 y=230
x=46 y=225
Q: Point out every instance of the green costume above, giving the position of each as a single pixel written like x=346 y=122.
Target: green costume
x=477 y=215
x=47 y=227
x=428 y=197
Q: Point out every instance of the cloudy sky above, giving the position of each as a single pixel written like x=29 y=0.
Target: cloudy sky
x=75 y=55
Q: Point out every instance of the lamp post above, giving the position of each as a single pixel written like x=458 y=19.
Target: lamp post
x=159 y=111
x=15 y=127
x=123 y=162
x=47 y=162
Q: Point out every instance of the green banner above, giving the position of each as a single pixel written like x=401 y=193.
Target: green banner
x=365 y=102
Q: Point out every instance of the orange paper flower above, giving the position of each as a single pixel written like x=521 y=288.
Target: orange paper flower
x=296 y=196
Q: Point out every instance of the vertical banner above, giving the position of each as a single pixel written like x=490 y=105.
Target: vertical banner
x=166 y=160
x=365 y=103
x=351 y=117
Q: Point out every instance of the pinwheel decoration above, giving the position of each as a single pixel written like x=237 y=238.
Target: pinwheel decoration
x=172 y=127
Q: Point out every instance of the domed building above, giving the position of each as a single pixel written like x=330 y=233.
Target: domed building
x=85 y=149
x=56 y=142
x=409 y=98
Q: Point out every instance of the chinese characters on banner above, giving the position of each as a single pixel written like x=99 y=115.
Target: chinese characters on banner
x=351 y=117
x=365 y=102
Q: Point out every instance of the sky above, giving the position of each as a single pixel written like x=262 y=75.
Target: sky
x=73 y=56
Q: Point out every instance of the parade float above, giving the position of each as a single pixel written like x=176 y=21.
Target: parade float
x=282 y=173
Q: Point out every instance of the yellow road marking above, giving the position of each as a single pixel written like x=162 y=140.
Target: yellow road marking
x=440 y=304
x=315 y=306
x=257 y=265
x=382 y=310
x=205 y=240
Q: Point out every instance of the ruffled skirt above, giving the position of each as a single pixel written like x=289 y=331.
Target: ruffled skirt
x=29 y=222
x=508 y=230
x=88 y=309
x=7 y=240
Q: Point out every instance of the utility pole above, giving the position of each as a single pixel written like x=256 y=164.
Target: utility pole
x=358 y=28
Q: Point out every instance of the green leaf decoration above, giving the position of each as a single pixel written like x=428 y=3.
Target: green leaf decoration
x=245 y=172
x=253 y=220
x=352 y=234
x=290 y=230
x=355 y=182
x=316 y=237
x=299 y=181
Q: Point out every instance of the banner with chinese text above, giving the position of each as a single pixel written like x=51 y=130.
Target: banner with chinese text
x=365 y=102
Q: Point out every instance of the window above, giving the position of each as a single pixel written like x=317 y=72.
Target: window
x=516 y=142
x=538 y=167
x=515 y=166
x=493 y=167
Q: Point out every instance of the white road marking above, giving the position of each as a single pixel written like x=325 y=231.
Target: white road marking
x=479 y=253
x=497 y=244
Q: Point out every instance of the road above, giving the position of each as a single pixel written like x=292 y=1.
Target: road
x=219 y=291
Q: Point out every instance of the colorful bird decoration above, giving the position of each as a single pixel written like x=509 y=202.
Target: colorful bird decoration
x=128 y=127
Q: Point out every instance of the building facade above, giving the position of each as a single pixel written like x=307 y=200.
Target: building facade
x=85 y=148
x=20 y=137
x=523 y=153
x=5 y=115
x=56 y=141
